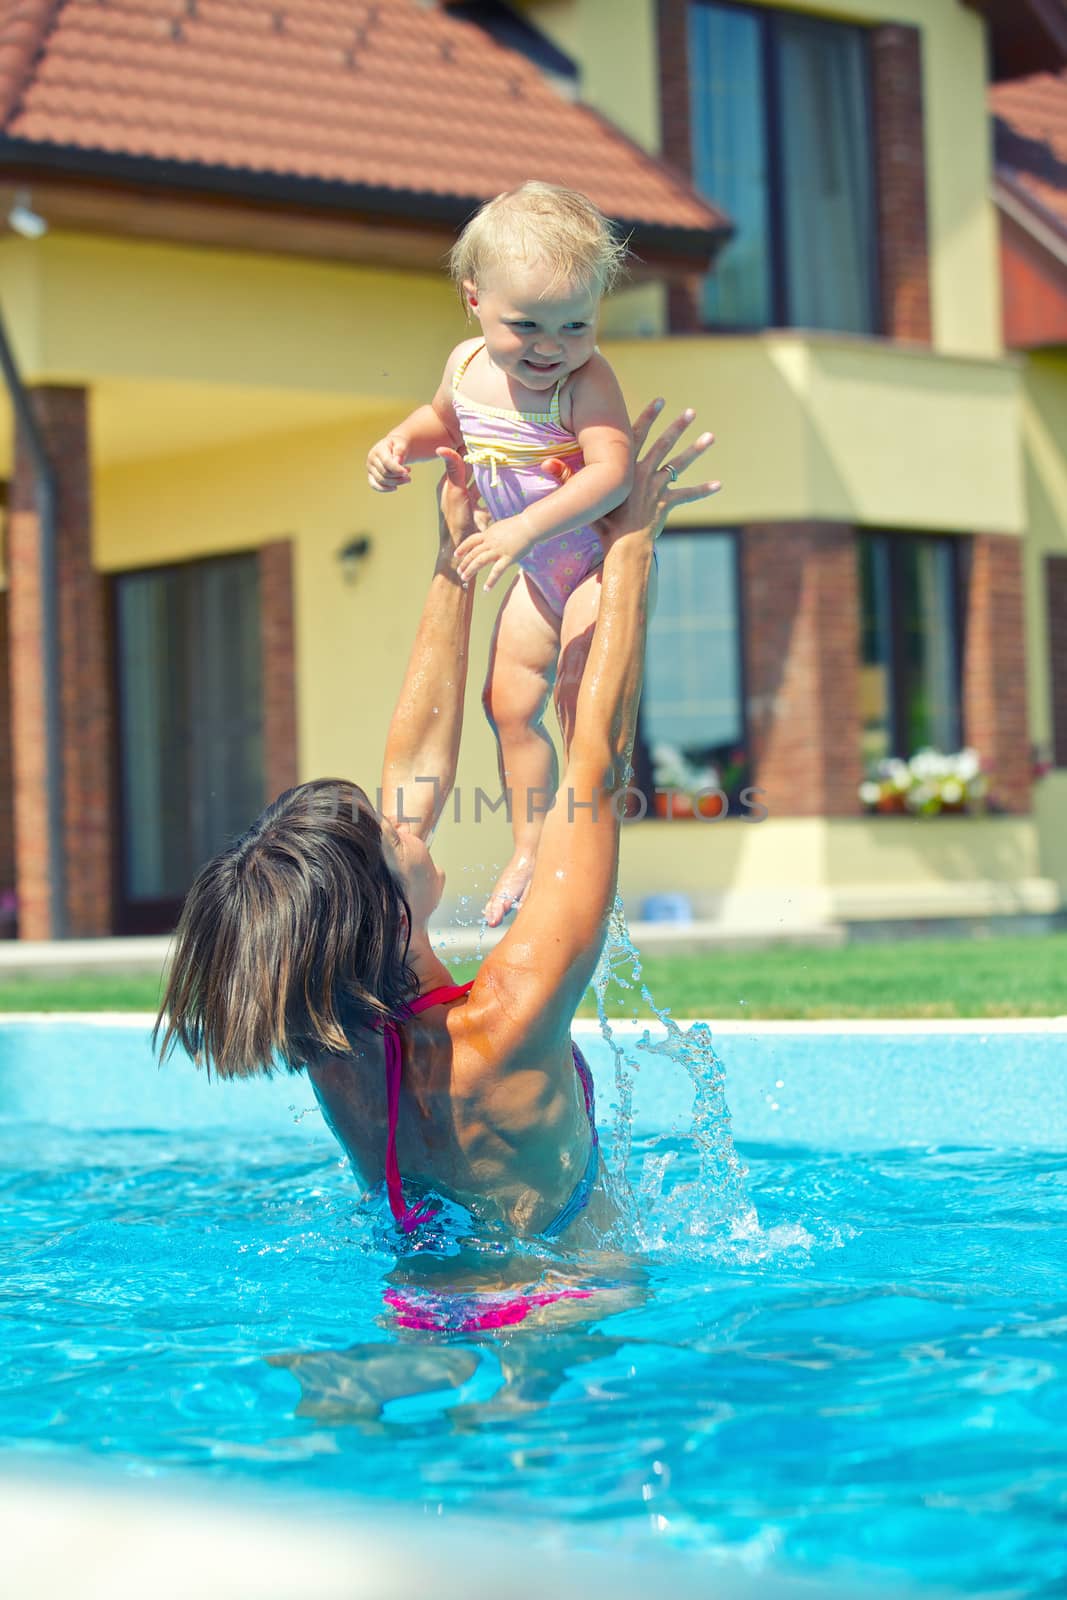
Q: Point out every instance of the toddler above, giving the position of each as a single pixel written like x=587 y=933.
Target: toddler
x=531 y=267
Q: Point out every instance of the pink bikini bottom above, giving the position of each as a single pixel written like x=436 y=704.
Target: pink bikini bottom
x=470 y=1313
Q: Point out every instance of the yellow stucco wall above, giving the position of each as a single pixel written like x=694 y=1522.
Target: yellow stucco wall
x=790 y=872
x=1044 y=434
x=1043 y=411
x=191 y=348
x=1050 y=810
x=819 y=426
x=114 y=308
x=613 y=42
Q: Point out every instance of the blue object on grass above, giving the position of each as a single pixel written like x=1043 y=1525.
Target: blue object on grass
x=667 y=908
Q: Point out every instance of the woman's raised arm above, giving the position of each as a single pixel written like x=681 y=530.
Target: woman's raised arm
x=548 y=956
x=422 y=746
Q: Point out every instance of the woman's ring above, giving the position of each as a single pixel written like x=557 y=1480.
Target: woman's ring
x=672 y=471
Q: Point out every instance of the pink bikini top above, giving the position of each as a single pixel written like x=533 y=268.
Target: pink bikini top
x=409 y=1217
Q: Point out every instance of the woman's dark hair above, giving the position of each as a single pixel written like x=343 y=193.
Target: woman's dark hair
x=292 y=941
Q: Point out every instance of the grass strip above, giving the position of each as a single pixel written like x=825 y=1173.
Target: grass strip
x=946 y=978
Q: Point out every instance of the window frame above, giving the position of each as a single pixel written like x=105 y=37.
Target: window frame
x=160 y=915
x=896 y=539
x=765 y=18
x=643 y=780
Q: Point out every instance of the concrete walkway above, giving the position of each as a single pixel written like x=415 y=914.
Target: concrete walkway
x=72 y=957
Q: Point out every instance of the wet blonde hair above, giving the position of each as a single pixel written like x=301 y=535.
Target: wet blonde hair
x=539 y=222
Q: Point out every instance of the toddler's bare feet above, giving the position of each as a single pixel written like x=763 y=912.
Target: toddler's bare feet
x=511 y=887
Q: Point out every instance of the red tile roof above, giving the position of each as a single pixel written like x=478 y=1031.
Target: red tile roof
x=1031 y=142
x=392 y=107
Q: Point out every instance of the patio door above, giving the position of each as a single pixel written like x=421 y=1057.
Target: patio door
x=190 y=709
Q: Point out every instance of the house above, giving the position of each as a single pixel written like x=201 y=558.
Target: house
x=1030 y=188
x=241 y=285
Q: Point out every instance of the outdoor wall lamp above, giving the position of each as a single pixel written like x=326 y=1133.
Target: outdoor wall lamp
x=352 y=556
x=24 y=219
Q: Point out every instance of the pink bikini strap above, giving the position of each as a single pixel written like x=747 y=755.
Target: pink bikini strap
x=409 y=1217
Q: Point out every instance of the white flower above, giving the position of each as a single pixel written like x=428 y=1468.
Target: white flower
x=669 y=767
x=870 y=793
x=967 y=765
x=952 y=791
x=929 y=764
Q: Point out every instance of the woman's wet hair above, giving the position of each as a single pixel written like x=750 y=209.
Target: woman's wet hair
x=292 y=942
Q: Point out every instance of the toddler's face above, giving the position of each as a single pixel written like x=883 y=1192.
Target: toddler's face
x=534 y=336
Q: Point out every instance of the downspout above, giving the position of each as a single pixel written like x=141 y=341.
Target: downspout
x=44 y=489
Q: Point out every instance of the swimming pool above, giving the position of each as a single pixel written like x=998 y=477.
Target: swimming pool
x=872 y=1379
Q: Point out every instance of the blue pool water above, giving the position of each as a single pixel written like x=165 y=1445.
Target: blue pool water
x=864 y=1367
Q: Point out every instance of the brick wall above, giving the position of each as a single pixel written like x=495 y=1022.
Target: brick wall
x=800 y=613
x=1056 y=597
x=7 y=776
x=995 y=716
x=278 y=644
x=87 y=714
x=683 y=293
x=900 y=166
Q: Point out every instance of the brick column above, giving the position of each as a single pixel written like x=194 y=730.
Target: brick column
x=801 y=618
x=900 y=177
x=672 y=38
x=278 y=645
x=7 y=776
x=1056 y=597
x=995 y=719
x=87 y=713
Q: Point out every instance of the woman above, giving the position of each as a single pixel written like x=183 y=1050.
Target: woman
x=305 y=942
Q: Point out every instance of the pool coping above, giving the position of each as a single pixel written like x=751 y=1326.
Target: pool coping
x=624 y=1028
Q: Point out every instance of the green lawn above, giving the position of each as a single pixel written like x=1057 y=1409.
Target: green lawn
x=1021 y=977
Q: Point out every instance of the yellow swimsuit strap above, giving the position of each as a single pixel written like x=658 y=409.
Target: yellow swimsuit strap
x=494 y=453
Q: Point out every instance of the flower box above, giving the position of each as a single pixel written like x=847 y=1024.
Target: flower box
x=931 y=784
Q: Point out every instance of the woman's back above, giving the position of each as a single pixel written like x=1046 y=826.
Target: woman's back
x=436 y=1105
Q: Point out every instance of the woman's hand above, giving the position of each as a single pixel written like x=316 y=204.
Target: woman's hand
x=457 y=498
x=653 y=496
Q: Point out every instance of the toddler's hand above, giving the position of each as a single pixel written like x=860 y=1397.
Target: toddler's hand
x=495 y=546
x=385 y=464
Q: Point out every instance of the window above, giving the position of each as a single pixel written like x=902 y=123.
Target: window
x=782 y=139
x=190 y=725
x=1056 y=603
x=692 y=707
x=910 y=669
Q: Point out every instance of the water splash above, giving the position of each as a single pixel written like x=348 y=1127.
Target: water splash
x=715 y=1205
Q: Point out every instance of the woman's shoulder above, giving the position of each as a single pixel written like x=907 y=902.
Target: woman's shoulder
x=507 y=1023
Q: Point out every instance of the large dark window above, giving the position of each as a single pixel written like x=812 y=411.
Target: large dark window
x=910 y=672
x=692 y=706
x=782 y=139
x=191 y=725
